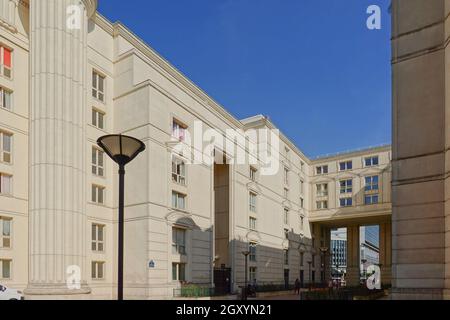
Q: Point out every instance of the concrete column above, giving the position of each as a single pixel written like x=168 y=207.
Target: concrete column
x=385 y=253
x=420 y=165
x=58 y=69
x=353 y=263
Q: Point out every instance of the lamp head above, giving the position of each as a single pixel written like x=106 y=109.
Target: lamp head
x=122 y=149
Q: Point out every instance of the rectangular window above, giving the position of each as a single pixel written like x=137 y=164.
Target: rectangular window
x=5 y=99
x=286 y=176
x=5 y=184
x=98 y=270
x=5 y=147
x=252 y=250
x=178 y=171
x=322 y=190
x=98 y=86
x=286 y=193
x=346 y=186
x=286 y=216
x=371 y=199
x=178 y=241
x=302 y=186
x=178 y=200
x=302 y=223
x=371 y=183
x=286 y=234
x=346 y=202
x=371 y=161
x=97 y=162
x=253 y=173
x=252 y=202
x=98 y=235
x=98 y=194
x=252 y=223
x=252 y=274
x=5 y=269
x=98 y=119
x=321 y=205
x=345 y=165
x=178 y=272
x=286 y=257
x=322 y=170
x=302 y=259
x=6 y=62
x=5 y=232
x=302 y=203
x=178 y=130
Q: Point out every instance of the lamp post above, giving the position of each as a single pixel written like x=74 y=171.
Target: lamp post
x=244 y=295
x=364 y=261
x=323 y=251
x=121 y=149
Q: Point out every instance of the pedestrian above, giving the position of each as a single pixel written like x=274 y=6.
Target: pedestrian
x=297 y=286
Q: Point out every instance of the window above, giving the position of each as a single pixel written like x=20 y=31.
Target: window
x=98 y=194
x=286 y=234
x=346 y=165
x=5 y=184
x=98 y=86
x=253 y=173
x=302 y=203
x=322 y=169
x=98 y=270
x=371 y=199
x=5 y=99
x=346 y=186
x=252 y=202
x=5 y=232
x=286 y=216
x=322 y=190
x=252 y=250
x=252 y=223
x=97 y=162
x=5 y=269
x=322 y=205
x=178 y=200
x=178 y=241
x=252 y=273
x=313 y=260
x=302 y=166
x=6 y=61
x=286 y=257
x=178 y=171
x=98 y=234
x=286 y=176
x=178 y=130
x=371 y=183
x=302 y=186
x=98 y=119
x=346 y=202
x=5 y=147
x=178 y=272
x=286 y=192
x=302 y=222
x=302 y=259
x=371 y=161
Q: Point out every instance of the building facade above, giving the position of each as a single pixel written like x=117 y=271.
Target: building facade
x=69 y=76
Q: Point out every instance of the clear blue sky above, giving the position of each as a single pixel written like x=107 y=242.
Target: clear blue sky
x=312 y=66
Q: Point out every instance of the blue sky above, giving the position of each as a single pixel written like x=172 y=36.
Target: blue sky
x=312 y=66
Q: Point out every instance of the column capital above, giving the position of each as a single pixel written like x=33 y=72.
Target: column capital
x=91 y=7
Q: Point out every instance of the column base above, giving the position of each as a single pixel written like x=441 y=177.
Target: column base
x=56 y=292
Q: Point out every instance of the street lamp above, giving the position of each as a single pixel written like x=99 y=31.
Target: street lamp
x=324 y=251
x=121 y=149
x=246 y=254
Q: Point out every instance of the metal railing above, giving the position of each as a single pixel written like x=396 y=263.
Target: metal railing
x=193 y=292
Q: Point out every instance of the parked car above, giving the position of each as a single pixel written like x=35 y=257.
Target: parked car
x=10 y=294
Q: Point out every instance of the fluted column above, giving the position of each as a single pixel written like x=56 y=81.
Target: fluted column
x=58 y=70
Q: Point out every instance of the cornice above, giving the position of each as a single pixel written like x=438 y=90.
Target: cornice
x=91 y=7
